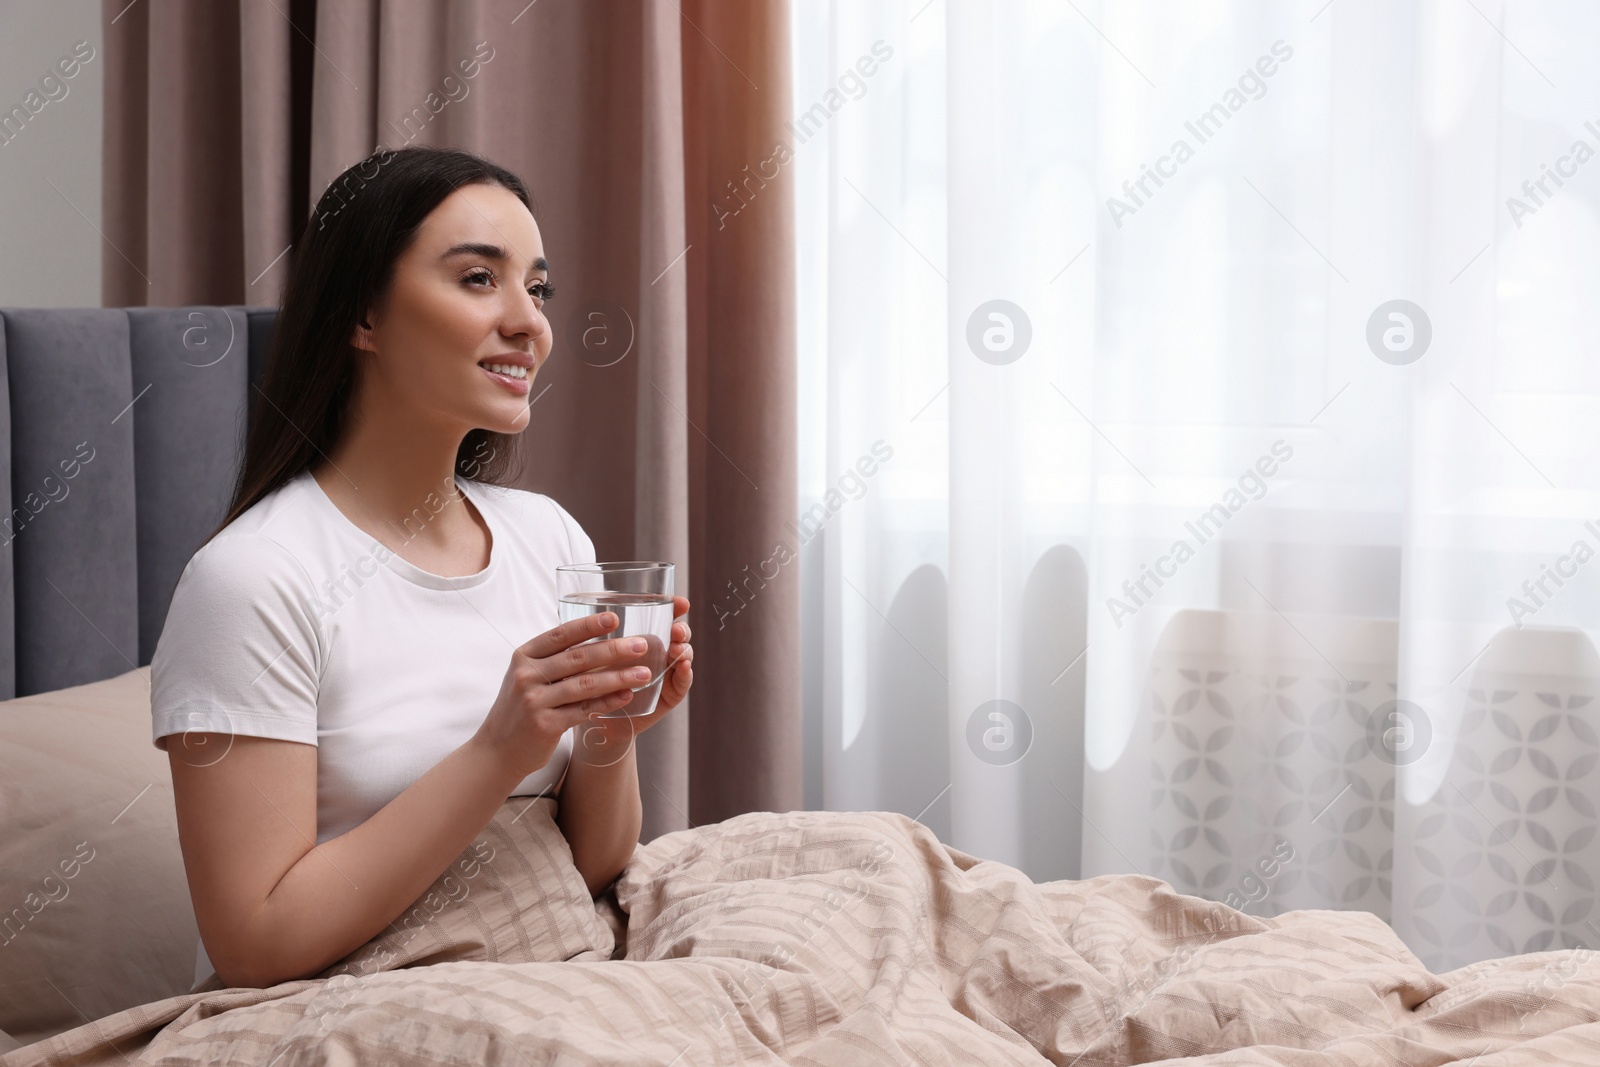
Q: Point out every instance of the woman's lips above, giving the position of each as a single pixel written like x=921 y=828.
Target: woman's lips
x=520 y=386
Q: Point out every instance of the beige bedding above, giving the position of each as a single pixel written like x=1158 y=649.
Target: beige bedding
x=857 y=938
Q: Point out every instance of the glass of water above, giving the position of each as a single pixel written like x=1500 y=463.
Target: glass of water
x=640 y=593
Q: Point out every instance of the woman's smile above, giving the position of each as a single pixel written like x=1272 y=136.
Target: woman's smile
x=512 y=370
x=520 y=386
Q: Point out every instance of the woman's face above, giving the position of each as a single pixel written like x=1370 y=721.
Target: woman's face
x=466 y=295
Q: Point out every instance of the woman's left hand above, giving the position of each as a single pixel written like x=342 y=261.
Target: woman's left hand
x=680 y=659
x=607 y=736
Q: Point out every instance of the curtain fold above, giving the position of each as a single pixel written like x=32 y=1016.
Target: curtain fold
x=663 y=478
x=224 y=125
x=742 y=412
x=124 y=151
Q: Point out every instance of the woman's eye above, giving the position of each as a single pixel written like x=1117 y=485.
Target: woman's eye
x=477 y=277
x=541 y=290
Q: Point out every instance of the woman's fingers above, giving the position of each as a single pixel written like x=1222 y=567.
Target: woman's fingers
x=581 y=710
x=619 y=652
x=585 y=688
x=568 y=634
x=679 y=688
x=598 y=683
x=676 y=686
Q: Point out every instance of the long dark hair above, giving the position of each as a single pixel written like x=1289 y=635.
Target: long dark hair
x=342 y=265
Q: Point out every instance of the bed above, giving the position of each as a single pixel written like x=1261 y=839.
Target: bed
x=802 y=937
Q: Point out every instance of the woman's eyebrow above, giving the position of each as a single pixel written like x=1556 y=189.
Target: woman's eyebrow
x=488 y=251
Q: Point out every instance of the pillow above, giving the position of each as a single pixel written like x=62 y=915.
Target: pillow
x=512 y=896
x=94 y=904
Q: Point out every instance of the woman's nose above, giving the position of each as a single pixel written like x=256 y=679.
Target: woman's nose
x=523 y=318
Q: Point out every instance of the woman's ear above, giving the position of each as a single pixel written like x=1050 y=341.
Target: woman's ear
x=361 y=337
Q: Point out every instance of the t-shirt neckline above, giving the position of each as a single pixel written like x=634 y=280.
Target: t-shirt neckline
x=378 y=551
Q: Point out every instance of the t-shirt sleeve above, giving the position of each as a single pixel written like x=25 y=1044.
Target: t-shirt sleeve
x=240 y=652
x=582 y=547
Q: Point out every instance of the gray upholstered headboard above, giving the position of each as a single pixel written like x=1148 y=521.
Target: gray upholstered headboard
x=123 y=428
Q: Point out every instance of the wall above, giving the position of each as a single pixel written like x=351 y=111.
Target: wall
x=50 y=244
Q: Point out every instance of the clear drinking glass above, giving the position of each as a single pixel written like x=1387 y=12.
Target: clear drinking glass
x=640 y=593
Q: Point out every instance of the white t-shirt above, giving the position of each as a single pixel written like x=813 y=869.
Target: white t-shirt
x=293 y=623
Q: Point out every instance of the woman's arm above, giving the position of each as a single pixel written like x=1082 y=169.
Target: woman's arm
x=270 y=906
x=600 y=812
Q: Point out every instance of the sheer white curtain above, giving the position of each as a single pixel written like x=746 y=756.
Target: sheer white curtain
x=1197 y=446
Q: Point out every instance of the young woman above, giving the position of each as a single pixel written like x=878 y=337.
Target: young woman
x=345 y=685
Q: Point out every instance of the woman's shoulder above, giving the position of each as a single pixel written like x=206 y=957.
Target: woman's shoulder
x=240 y=565
x=261 y=547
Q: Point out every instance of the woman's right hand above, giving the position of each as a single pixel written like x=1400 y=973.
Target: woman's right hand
x=555 y=682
